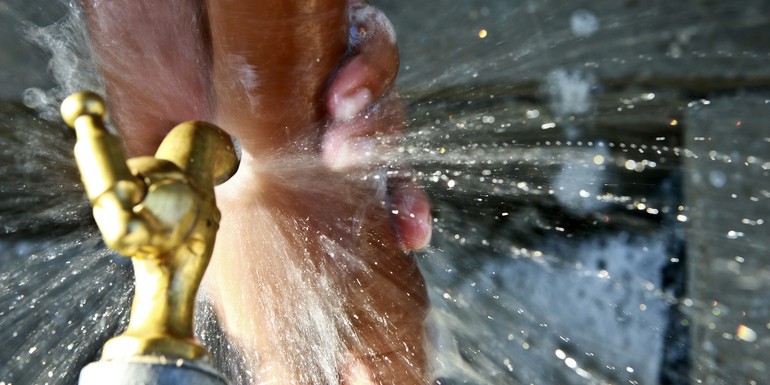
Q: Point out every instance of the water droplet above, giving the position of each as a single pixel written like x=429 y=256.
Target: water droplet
x=34 y=98
x=546 y=126
x=583 y=23
x=717 y=178
x=569 y=91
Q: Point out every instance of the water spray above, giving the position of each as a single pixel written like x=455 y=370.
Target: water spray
x=161 y=212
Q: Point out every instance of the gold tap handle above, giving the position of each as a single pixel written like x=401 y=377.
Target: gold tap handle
x=161 y=212
x=98 y=153
x=111 y=187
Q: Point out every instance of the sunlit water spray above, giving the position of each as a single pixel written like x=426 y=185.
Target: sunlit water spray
x=544 y=248
x=555 y=158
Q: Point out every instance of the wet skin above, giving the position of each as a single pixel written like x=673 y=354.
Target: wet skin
x=310 y=228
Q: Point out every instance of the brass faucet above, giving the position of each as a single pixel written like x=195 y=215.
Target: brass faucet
x=161 y=212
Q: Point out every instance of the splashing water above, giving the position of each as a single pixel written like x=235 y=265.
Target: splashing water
x=599 y=173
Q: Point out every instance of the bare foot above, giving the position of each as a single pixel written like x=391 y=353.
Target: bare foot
x=308 y=276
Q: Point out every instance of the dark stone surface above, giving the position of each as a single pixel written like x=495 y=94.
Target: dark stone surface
x=728 y=200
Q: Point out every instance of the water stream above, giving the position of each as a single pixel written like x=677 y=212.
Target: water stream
x=599 y=175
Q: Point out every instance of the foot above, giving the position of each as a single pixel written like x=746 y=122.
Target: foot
x=310 y=275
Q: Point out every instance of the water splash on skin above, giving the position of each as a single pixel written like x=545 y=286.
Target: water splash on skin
x=248 y=77
x=363 y=13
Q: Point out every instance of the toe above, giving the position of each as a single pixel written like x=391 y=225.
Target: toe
x=371 y=70
x=411 y=214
